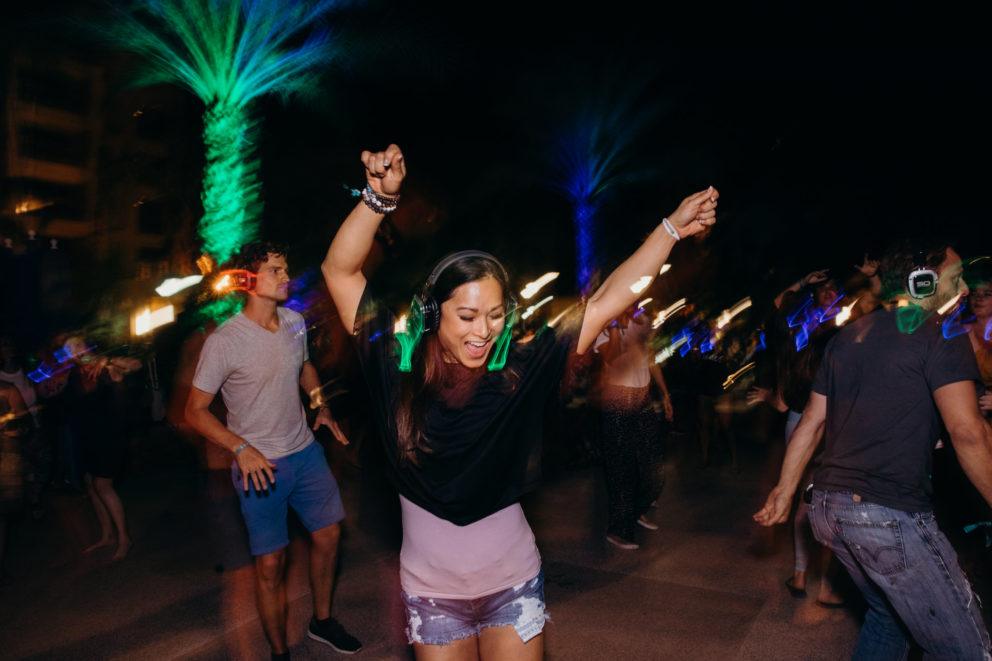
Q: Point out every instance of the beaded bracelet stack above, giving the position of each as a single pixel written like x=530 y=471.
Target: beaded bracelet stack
x=379 y=203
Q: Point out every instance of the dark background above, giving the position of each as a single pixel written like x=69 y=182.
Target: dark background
x=828 y=129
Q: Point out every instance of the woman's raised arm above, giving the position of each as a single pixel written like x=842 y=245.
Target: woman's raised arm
x=342 y=267
x=617 y=293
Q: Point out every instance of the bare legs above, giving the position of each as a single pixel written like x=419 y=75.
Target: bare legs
x=110 y=514
x=270 y=584
x=493 y=644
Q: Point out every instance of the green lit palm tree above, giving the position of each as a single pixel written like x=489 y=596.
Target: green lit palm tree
x=228 y=53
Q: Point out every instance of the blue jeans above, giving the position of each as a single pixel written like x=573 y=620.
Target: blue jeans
x=908 y=574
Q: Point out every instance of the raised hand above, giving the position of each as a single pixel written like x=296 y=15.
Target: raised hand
x=814 y=278
x=869 y=267
x=385 y=170
x=696 y=212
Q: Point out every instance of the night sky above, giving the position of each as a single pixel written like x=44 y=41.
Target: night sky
x=828 y=131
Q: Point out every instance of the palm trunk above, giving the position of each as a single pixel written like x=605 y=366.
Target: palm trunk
x=231 y=193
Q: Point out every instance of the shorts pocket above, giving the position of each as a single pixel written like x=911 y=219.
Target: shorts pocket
x=878 y=545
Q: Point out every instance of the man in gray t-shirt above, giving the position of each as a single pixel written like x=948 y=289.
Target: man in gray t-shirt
x=258 y=361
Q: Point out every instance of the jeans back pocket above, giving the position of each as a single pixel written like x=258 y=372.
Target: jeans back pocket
x=877 y=545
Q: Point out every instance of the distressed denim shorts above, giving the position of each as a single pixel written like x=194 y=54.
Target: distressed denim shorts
x=433 y=621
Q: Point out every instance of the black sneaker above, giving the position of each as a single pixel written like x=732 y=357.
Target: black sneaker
x=330 y=632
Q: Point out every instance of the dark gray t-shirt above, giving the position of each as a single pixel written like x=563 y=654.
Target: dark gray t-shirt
x=882 y=422
x=258 y=374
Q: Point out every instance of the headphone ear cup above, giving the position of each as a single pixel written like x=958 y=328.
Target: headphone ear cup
x=430 y=311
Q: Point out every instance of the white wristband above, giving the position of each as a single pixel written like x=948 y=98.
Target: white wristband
x=670 y=229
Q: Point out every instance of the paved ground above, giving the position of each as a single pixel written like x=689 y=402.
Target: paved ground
x=708 y=585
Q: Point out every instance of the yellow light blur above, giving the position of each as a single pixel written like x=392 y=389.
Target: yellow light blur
x=146 y=320
x=736 y=375
x=668 y=352
x=645 y=302
x=532 y=309
x=667 y=313
x=531 y=288
x=845 y=313
x=949 y=305
x=665 y=268
x=400 y=326
x=222 y=283
x=727 y=315
x=641 y=284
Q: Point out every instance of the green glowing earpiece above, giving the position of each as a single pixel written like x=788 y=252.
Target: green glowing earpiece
x=410 y=337
x=501 y=350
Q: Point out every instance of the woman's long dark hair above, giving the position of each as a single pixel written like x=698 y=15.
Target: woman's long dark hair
x=423 y=384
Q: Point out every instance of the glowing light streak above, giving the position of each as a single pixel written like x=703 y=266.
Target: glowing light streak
x=802 y=338
x=172 y=286
x=146 y=320
x=641 y=284
x=554 y=322
x=793 y=319
x=205 y=264
x=727 y=315
x=644 y=302
x=667 y=313
x=909 y=318
x=532 y=309
x=531 y=288
x=952 y=326
x=845 y=313
x=665 y=268
x=738 y=374
x=669 y=351
x=949 y=305
x=400 y=325
x=223 y=283
x=829 y=312
x=988 y=330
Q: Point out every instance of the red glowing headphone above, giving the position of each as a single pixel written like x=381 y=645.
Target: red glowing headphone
x=235 y=280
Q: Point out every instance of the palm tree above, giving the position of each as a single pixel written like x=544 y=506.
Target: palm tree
x=229 y=53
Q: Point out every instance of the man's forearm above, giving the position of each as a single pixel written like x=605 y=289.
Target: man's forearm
x=207 y=425
x=310 y=382
x=801 y=446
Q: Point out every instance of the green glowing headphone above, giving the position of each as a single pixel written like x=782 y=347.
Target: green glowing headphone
x=425 y=314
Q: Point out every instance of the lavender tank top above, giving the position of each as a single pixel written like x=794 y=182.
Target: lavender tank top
x=445 y=561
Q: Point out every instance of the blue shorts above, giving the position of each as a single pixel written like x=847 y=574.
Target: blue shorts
x=303 y=482
x=432 y=621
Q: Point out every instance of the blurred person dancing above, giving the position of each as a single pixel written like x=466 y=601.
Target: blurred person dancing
x=631 y=428
x=258 y=360
x=15 y=424
x=460 y=417
x=874 y=397
x=99 y=427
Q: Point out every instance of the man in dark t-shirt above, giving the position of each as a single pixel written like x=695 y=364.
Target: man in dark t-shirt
x=883 y=386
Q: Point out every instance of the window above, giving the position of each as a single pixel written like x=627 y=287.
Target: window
x=54 y=146
x=54 y=89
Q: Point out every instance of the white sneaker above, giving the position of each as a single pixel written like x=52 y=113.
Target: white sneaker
x=621 y=543
x=644 y=523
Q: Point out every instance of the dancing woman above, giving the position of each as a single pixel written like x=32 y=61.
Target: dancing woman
x=459 y=412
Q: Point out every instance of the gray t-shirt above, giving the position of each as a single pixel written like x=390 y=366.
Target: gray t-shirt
x=258 y=374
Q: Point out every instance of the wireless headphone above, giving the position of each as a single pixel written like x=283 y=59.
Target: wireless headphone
x=922 y=280
x=235 y=280
x=425 y=314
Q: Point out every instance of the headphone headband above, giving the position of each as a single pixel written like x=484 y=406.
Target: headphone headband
x=443 y=265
